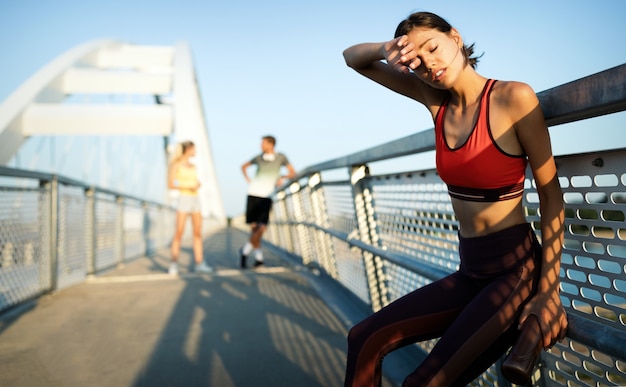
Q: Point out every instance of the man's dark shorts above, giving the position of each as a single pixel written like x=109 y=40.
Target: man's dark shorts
x=258 y=210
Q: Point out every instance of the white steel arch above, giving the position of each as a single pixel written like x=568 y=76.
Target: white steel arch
x=98 y=69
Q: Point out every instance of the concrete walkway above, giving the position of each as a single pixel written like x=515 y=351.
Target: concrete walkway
x=138 y=326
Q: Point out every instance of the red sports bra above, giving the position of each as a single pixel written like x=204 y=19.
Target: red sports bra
x=478 y=170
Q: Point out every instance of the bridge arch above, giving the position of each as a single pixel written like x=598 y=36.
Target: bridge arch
x=108 y=88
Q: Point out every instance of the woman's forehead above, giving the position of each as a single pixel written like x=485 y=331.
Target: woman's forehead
x=421 y=36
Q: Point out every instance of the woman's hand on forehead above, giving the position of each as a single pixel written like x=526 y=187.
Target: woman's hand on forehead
x=408 y=54
x=400 y=54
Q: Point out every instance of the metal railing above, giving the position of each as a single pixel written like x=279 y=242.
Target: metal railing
x=386 y=235
x=55 y=231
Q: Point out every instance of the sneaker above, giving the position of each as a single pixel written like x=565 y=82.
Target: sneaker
x=173 y=270
x=244 y=258
x=258 y=263
x=204 y=268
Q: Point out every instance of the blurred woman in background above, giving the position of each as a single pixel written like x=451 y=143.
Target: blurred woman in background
x=182 y=176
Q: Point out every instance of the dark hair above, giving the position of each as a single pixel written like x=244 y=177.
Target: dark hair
x=270 y=139
x=432 y=21
x=186 y=145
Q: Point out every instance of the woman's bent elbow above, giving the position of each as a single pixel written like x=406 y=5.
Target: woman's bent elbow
x=346 y=58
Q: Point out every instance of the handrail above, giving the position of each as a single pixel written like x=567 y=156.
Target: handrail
x=601 y=337
x=44 y=176
x=592 y=96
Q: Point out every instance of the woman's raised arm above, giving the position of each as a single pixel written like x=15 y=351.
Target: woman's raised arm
x=383 y=63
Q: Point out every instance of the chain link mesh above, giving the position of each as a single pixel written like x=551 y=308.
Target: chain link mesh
x=119 y=228
x=24 y=241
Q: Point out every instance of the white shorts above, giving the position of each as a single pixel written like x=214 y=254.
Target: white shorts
x=189 y=203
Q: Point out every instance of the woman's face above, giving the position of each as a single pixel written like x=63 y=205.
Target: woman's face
x=190 y=151
x=439 y=57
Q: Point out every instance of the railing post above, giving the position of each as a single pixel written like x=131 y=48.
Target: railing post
x=90 y=230
x=119 y=232
x=320 y=215
x=54 y=232
x=45 y=214
x=284 y=233
x=147 y=230
x=299 y=217
x=368 y=233
x=167 y=228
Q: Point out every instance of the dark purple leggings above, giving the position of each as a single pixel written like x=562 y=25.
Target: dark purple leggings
x=473 y=311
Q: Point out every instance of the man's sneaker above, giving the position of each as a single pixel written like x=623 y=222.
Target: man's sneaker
x=173 y=270
x=244 y=259
x=204 y=268
x=257 y=263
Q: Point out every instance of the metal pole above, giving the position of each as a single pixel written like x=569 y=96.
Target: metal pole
x=119 y=232
x=323 y=242
x=285 y=230
x=147 y=229
x=362 y=197
x=90 y=230
x=54 y=232
x=300 y=232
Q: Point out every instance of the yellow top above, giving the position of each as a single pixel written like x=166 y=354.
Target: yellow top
x=186 y=176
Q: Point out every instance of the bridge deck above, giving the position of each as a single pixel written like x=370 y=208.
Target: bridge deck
x=138 y=326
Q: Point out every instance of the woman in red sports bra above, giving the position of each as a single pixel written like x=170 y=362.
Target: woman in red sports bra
x=487 y=132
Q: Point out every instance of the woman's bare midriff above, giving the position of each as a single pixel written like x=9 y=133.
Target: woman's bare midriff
x=480 y=218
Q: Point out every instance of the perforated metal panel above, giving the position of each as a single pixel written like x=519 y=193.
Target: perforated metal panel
x=302 y=213
x=595 y=241
x=135 y=229
x=414 y=218
x=351 y=270
x=71 y=236
x=593 y=261
x=106 y=223
x=340 y=205
x=159 y=227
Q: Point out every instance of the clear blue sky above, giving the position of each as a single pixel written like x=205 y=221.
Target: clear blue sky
x=275 y=67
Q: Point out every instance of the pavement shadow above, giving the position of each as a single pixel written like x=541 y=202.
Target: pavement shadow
x=264 y=327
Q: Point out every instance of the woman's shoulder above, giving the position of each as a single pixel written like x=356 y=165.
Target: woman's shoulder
x=516 y=100
x=513 y=91
x=514 y=95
